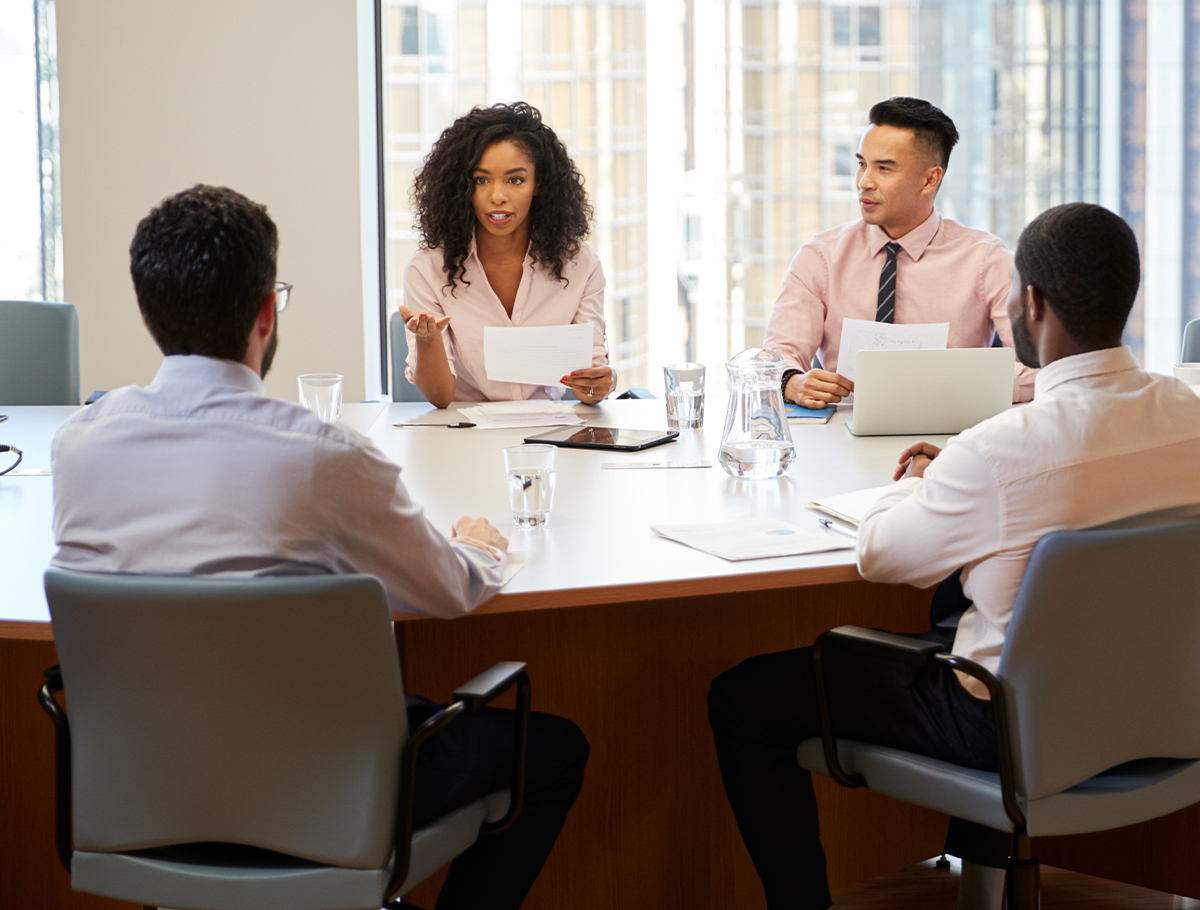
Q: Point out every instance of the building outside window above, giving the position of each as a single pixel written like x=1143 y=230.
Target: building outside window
x=30 y=219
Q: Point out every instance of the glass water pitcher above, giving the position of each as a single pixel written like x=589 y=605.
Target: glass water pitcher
x=757 y=443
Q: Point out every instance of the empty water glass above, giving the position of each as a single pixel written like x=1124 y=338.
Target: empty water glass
x=531 y=474
x=685 y=395
x=321 y=393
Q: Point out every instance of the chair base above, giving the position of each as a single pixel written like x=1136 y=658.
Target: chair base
x=1023 y=885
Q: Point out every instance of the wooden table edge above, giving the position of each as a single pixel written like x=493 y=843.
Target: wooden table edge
x=659 y=590
x=578 y=597
x=20 y=630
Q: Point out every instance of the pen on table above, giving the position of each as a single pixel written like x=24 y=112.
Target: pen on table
x=462 y=425
x=836 y=527
x=3 y=417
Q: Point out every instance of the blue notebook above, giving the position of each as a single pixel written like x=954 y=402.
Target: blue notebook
x=797 y=414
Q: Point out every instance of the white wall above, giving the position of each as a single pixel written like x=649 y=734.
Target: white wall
x=259 y=95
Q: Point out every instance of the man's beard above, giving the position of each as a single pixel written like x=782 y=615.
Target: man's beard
x=1022 y=341
x=269 y=353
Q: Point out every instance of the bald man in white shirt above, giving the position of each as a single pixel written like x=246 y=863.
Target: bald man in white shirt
x=1102 y=441
x=199 y=473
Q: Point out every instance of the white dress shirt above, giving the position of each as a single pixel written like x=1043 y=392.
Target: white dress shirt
x=1102 y=441
x=200 y=474
x=540 y=301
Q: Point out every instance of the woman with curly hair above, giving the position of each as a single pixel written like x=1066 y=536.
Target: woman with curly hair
x=502 y=213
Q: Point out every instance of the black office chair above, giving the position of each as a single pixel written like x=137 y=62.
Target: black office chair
x=243 y=744
x=1096 y=700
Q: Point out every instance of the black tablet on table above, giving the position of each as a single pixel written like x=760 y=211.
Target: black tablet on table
x=610 y=438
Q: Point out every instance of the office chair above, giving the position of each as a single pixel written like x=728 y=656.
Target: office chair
x=39 y=353
x=1191 y=343
x=402 y=389
x=1096 y=701
x=242 y=743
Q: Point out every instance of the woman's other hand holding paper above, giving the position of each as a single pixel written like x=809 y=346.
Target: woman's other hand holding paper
x=591 y=385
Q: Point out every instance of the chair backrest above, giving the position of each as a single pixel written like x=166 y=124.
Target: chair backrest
x=1102 y=657
x=1191 y=343
x=262 y=711
x=402 y=389
x=39 y=353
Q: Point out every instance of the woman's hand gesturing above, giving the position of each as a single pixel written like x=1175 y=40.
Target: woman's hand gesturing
x=423 y=325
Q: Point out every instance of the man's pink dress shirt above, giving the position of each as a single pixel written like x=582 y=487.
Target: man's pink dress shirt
x=944 y=273
x=540 y=301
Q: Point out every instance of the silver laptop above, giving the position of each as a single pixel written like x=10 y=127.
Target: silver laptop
x=911 y=393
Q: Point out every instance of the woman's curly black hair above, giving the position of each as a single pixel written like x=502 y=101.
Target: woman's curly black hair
x=445 y=185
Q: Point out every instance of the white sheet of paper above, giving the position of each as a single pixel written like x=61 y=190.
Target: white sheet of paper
x=537 y=412
x=850 y=507
x=861 y=335
x=754 y=538
x=516 y=562
x=537 y=355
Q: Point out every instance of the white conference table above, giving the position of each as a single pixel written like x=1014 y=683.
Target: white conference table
x=622 y=631
x=598 y=546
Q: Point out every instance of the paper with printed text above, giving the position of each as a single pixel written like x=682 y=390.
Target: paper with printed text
x=862 y=335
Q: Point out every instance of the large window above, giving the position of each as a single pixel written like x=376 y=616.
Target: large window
x=30 y=232
x=751 y=144
x=582 y=64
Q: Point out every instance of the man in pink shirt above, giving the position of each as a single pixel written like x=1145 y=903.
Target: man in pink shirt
x=901 y=262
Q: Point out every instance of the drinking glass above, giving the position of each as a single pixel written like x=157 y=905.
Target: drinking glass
x=531 y=474
x=685 y=395
x=321 y=393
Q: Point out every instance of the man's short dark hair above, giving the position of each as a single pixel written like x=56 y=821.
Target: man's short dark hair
x=202 y=262
x=1084 y=261
x=933 y=128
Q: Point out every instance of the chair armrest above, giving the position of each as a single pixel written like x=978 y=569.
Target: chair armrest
x=916 y=652
x=62 y=764
x=884 y=645
x=469 y=697
x=489 y=684
x=1004 y=746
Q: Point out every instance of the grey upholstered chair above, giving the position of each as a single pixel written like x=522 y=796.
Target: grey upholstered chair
x=39 y=353
x=1097 y=698
x=402 y=389
x=242 y=743
x=1191 y=343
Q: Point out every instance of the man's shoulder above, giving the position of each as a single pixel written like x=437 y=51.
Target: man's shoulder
x=201 y=411
x=951 y=232
x=838 y=236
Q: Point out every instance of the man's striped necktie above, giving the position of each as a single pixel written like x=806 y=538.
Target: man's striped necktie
x=885 y=310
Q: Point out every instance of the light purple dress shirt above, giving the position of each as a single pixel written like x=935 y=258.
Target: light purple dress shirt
x=200 y=474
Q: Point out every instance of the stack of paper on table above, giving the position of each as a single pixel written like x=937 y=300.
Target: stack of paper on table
x=496 y=415
x=753 y=538
x=850 y=507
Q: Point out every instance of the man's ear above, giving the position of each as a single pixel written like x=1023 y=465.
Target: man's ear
x=265 y=321
x=933 y=179
x=1035 y=304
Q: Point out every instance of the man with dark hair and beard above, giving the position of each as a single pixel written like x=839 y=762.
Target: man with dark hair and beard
x=199 y=473
x=1102 y=441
